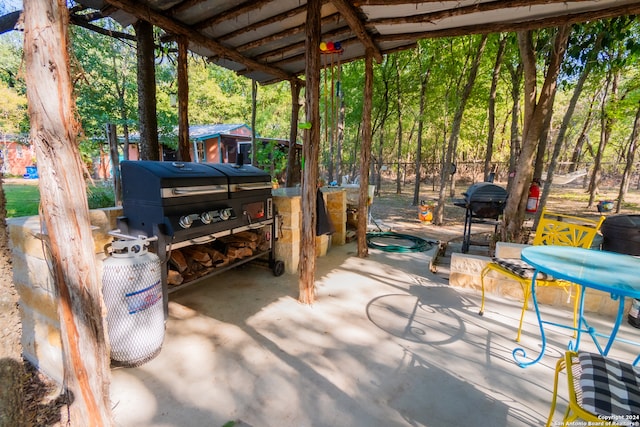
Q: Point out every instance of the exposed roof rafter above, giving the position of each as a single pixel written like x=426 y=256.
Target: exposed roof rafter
x=517 y=26
x=171 y=25
x=350 y=15
x=265 y=39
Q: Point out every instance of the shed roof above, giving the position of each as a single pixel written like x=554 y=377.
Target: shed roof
x=202 y=132
x=265 y=39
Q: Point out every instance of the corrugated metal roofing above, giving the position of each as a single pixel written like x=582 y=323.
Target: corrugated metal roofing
x=265 y=39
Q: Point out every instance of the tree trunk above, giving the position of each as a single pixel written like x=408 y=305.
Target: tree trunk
x=399 y=173
x=330 y=124
x=340 y=134
x=254 y=105
x=515 y=139
x=148 y=120
x=535 y=114
x=310 y=149
x=65 y=213
x=184 y=145
x=423 y=96
x=112 y=137
x=492 y=107
x=455 y=131
x=576 y=156
x=538 y=167
x=365 y=155
x=383 y=119
x=122 y=107
x=293 y=169
x=631 y=155
x=606 y=126
x=577 y=91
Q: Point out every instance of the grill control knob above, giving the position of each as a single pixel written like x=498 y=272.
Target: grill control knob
x=185 y=221
x=206 y=217
x=225 y=214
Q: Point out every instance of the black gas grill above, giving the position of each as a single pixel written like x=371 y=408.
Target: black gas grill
x=190 y=205
x=484 y=202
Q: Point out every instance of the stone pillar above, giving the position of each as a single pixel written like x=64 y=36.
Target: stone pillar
x=287 y=248
x=336 y=202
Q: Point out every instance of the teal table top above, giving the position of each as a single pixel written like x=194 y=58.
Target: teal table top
x=611 y=272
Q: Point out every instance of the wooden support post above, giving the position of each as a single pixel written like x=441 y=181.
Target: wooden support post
x=112 y=137
x=310 y=152
x=293 y=163
x=147 y=116
x=365 y=156
x=184 y=147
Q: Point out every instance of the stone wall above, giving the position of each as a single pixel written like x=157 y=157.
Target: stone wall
x=288 y=204
x=33 y=280
x=465 y=273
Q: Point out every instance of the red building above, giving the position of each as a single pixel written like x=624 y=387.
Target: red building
x=17 y=156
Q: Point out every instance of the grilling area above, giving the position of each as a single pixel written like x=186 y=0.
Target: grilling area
x=389 y=341
x=385 y=329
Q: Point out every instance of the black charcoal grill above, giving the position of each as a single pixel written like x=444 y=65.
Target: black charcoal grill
x=184 y=204
x=484 y=202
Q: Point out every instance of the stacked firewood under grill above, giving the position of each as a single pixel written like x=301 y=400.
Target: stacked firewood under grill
x=192 y=262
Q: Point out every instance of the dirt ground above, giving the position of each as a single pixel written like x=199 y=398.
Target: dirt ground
x=567 y=199
x=44 y=409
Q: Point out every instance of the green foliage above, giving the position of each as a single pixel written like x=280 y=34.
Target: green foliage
x=271 y=157
x=104 y=75
x=101 y=195
x=13 y=111
x=13 y=100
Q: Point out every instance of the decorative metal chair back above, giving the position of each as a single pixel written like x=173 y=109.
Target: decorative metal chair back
x=553 y=229
x=566 y=230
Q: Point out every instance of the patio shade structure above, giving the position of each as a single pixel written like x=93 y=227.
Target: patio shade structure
x=264 y=40
x=268 y=41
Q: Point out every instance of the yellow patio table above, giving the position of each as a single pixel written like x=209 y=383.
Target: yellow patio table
x=614 y=273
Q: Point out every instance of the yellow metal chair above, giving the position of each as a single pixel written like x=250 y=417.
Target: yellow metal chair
x=553 y=229
x=602 y=391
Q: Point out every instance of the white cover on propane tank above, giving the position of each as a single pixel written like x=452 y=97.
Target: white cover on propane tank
x=132 y=290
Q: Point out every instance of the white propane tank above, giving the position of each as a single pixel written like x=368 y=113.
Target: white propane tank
x=132 y=291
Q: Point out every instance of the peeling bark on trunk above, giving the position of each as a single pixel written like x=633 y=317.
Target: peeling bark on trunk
x=65 y=213
x=310 y=149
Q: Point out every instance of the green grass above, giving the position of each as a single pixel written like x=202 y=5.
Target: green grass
x=24 y=199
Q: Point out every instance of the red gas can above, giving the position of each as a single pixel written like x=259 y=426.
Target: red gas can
x=534 y=196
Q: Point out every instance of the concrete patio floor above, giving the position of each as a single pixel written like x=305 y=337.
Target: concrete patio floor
x=387 y=343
